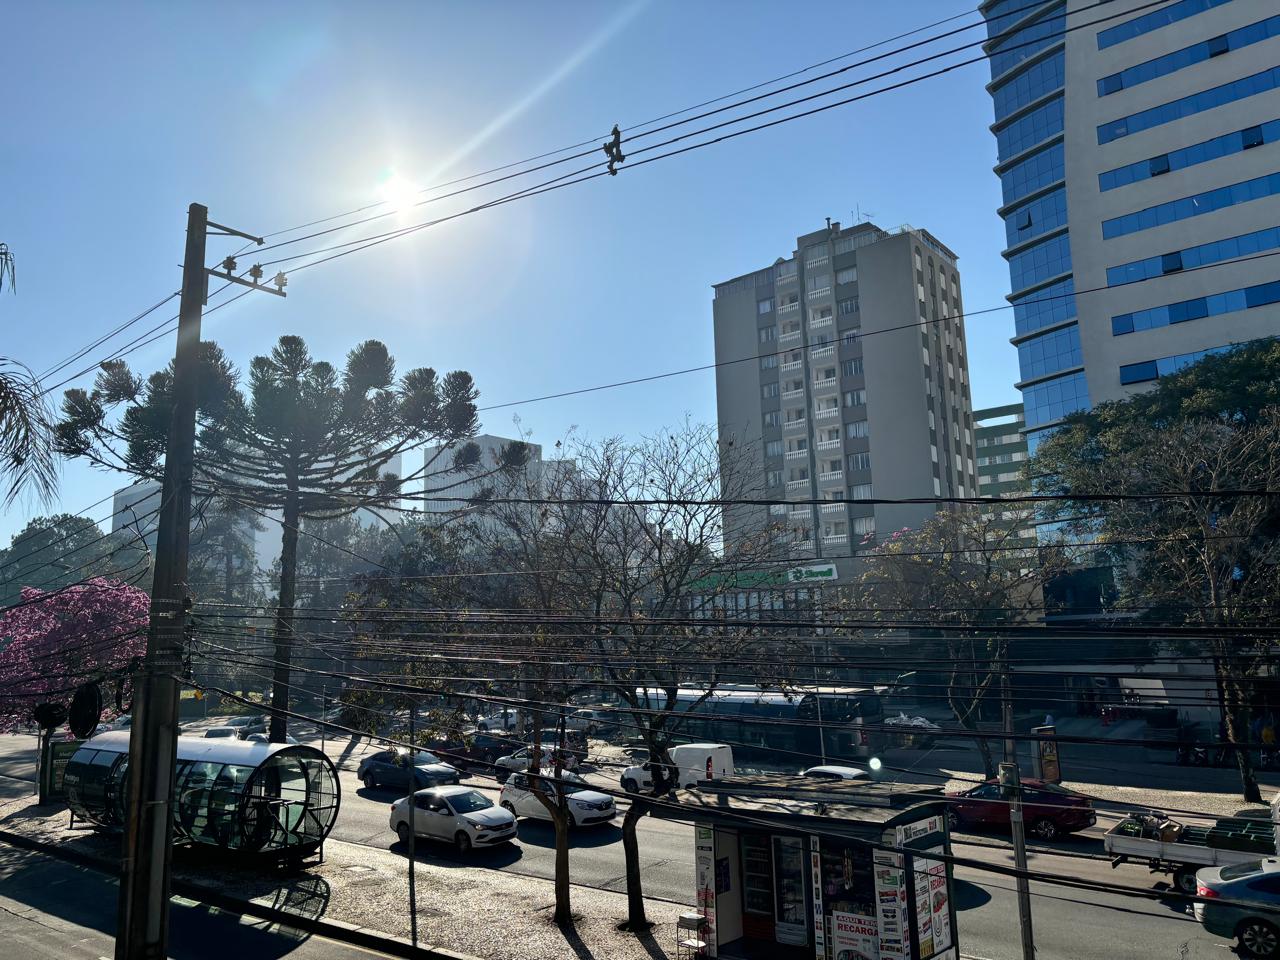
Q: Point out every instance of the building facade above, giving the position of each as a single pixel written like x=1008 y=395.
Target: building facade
x=1138 y=159
x=843 y=369
x=1002 y=458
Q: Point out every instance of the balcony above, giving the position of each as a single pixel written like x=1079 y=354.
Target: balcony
x=826 y=383
x=802 y=545
x=793 y=394
x=820 y=292
x=830 y=476
x=788 y=336
x=788 y=307
x=820 y=353
x=828 y=444
x=826 y=321
x=791 y=365
x=798 y=513
x=800 y=424
x=830 y=538
x=795 y=454
x=785 y=277
x=826 y=414
x=794 y=486
x=831 y=508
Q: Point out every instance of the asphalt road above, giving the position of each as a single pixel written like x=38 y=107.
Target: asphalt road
x=1068 y=922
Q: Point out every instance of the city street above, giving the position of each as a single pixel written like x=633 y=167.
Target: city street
x=1068 y=922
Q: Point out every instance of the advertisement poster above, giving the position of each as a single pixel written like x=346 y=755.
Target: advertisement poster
x=938 y=897
x=924 y=912
x=704 y=871
x=891 y=906
x=819 y=927
x=854 y=937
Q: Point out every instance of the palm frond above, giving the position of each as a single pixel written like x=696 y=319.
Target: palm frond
x=27 y=463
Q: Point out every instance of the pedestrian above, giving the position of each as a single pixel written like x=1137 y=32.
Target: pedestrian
x=1048 y=720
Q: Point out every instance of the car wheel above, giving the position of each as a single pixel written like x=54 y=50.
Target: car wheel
x=506 y=805
x=1045 y=829
x=462 y=842
x=630 y=786
x=402 y=831
x=369 y=782
x=1258 y=938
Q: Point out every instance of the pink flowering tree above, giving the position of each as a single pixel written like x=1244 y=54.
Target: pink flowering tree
x=52 y=642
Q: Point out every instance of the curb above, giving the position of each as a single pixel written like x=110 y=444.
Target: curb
x=338 y=930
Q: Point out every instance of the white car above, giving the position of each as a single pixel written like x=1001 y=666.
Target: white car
x=835 y=772
x=464 y=817
x=518 y=762
x=266 y=738
x=587 y=720
x=502 y=720
x=223 y=733
x=586 y=806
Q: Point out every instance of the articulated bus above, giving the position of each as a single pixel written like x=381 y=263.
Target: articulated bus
x=784 y=726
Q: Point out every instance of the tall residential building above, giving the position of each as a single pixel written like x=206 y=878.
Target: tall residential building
x=136 y=510
x=1002 y=457
x=1137 y=156
x=843 y=370
x=448 y=489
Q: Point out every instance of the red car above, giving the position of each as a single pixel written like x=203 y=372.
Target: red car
x=1048 y=810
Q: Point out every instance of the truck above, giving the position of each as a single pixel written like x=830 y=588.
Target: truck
x=1167 y=846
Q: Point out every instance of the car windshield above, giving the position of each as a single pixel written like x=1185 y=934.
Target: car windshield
x=423 y=756
x=469 y=802
x=1238 y=870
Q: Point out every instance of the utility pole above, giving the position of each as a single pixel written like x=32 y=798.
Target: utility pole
x=413 y=823
x=142 y=930
x=1011 y=786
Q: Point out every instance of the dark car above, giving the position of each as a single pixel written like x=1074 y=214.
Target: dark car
x=397 y=768
x=477 y=750
x=1048 y=810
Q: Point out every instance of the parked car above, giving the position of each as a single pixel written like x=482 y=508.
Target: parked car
x=223 y=733
x=586 y=806
x=460 y=815
x=1048 y=810
x=399 y=768
x=518 y=762
x=248 y=724
x=589 y=720
x=835 y=772
x=692 y=762
x=508 y=719
x=575 y=741
x=1250 y=907
x=266 y=738
x=475 y=750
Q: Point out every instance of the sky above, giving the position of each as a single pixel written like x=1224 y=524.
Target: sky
x=274 y=115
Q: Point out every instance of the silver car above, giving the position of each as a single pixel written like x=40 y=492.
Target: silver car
x=461 y=815
x=1249 y=910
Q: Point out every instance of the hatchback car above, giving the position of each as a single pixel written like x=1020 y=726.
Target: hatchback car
x=586 y=806
x=518 y=762
x=464 y=817
x=1242 y=901
x=398 y=768
x=1048 y=810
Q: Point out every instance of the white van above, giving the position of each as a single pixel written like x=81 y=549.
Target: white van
x=693 y=762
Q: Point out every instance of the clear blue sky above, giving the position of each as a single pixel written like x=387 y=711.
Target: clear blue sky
x=119 y=115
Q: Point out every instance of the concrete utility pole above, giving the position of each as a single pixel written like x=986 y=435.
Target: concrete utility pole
x=413 y=824
x=143 y=923
x=1011 y=786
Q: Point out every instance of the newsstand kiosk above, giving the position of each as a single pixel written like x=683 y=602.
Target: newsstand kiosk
x=828 y=871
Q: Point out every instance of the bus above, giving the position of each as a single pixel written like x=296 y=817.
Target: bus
x=784 y=726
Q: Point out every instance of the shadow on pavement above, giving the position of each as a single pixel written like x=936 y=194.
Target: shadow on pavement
x=439 y=853
x=540 y=833
x=968 y=896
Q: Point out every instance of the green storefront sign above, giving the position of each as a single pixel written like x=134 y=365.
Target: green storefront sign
x=814 y=574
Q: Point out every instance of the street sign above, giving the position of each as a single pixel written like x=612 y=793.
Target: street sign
x=53 y=767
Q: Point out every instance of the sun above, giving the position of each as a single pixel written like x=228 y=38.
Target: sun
x=399 y=193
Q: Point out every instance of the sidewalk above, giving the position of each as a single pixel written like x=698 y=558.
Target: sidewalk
x=477 y=912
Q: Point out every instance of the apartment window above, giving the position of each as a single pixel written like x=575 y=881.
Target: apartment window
x=773 y=478
x=847 y=275
x=786 y=269
x=1045 y=307
x=1030 y=129
x=850 y=337
x=864 y=526
x=1196 y=53
x=1046 y=259
x=1154 y=20
x=1029 y=85
x=799 y=473
x=1192 y=257
x=769 y=390
x=798 y=445
x=1032 y=173
x=847 y=306
x=1213 y=305
x=852 y=368
x=933 y=425
x=823 y=313
x=1198 y=153
x=790 y=298
x=817 y=281
x=860 y=491
x=1189 y=106
x=937 y=487
x=856 y=428
x=933 y=452
x=773 y=419
x=1054 y=399
x=768 y=334
x=795 y=415
x=1192 y=206
x=1039 y=216
x=769 y=362
x=1021 y=44
x=765 y=305
x=855 y=398
x=815 y=255
x=859 y=461
x=1164 y=366
x=773 y=448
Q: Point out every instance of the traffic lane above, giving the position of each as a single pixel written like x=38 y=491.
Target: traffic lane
x=595 y=859
x=50 y=910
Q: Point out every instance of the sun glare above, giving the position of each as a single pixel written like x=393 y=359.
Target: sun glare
x=399 y=193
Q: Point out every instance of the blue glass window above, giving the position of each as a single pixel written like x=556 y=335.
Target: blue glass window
x=1203 y=152
x=1030 y=129
x=1193 y=206
x=1026 y=42
x=1005 y=13
x=1192 y=257
x=1036 y=171
x=1190 y=105
x=1039 y=216
x=1196 y=53
x=1054 y=399
x=1154 y=20
x=1164 y=366
x=1054 y=304
x=1059 y=350
x=1031 y=84
x=1215 y=304
x=1044 y=260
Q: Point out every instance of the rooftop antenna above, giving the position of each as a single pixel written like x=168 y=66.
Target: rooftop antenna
x=859 y=216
